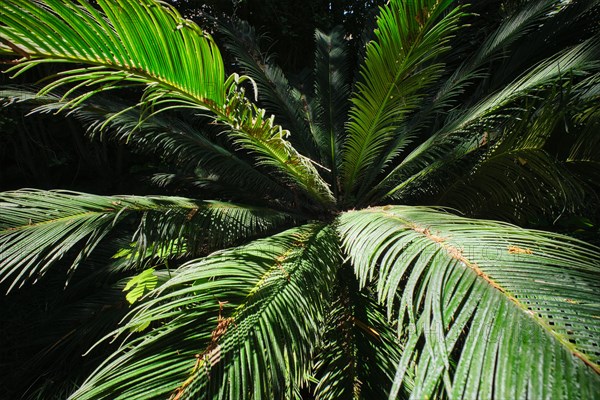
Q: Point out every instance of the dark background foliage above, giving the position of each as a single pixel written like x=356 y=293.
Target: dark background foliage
x=288 y=24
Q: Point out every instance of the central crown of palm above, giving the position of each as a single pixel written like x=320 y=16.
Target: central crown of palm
x=309 y=263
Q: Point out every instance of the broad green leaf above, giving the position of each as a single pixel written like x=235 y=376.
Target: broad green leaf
x=140 y=284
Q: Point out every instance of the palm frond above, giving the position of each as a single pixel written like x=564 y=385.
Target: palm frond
x=256 y=311
x=254 y=132
x=496 y=46
x=183 y=61
x=489 y=310
x=398 y=67
x=587 y=143
x=521 y=185
x=332 y=91
x=452 y=90
x=114 y=46
x=514 y=177
x=575 y=61
x=38 y=227
x=557 y=30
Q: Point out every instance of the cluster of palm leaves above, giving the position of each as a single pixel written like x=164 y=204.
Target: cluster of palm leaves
x=360 y=237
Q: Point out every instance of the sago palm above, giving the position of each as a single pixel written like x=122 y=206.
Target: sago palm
x=337 y=249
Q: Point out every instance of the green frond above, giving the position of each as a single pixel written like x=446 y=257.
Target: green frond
x=578 y=60
x=556 y=30
x=37 y=228
x=332 y=91
x=489 y=310
x=575 y=61
x=495 y=47
x=472 y=70
x=587 y=144
x=379 y=356
x=241 y=324
x=427 y=158
x=511 y=171
x=115 y=47
x=514 y=186
x=400 y=64
x=512 y=175
x=335 y=360
x=182 y=60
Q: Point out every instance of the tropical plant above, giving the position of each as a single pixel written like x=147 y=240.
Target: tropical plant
x=341 y=248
